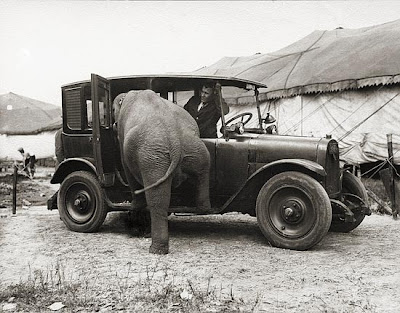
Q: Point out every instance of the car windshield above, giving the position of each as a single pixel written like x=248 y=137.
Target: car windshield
x=239 y=101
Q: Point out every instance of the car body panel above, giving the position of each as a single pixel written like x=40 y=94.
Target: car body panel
x=72 y=164
x=240 y=163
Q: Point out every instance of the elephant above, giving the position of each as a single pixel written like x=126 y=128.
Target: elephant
x=160 y=148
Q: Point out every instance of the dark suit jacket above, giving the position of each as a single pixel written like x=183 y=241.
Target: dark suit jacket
x=206 y=118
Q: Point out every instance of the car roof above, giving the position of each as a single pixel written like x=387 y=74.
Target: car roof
x=173 y=82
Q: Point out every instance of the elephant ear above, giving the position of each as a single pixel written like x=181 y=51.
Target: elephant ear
x=117 y=104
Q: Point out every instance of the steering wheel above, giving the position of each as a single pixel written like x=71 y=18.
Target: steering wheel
x=241 y=115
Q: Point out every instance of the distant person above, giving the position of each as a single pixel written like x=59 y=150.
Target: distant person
x=59 y=148
x=205 y=111
x=28 y=163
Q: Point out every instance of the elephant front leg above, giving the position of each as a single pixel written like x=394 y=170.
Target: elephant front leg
x=197 y=163
x=158 y=200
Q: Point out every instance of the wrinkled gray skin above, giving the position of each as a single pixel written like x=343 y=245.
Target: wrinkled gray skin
x=160 y=148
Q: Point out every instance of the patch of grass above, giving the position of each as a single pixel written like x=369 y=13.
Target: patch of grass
x=42 y=288
x=155 y=290
x=376 y=185
x=378 y=188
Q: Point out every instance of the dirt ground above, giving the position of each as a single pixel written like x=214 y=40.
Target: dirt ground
x=354 y=272
x=30 y=192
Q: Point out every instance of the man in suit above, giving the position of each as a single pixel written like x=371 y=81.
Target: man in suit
x=205 y=111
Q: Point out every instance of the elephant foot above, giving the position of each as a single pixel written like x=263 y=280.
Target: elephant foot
x=159 y=249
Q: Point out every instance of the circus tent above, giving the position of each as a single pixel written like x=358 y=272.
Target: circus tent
x=342 y=82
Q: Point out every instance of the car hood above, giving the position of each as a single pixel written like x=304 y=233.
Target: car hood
x=266 y=148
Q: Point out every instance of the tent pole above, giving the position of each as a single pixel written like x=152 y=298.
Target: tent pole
x=392 y=178
x=256 y=93
x=301 y=99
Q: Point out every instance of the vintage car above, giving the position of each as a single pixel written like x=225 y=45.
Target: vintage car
x=294 y=186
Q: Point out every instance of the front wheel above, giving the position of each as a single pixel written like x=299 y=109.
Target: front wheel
x=81 y=203
x=293 y=211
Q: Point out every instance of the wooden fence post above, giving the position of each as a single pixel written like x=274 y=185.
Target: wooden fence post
x=14 y=197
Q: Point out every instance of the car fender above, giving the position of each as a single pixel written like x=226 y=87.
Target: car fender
x=245 y=197
x=300 y=164
x=70 y=165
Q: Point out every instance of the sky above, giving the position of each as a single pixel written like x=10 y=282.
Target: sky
x=46 y=44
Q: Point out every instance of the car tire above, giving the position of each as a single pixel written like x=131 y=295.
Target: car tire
x=293 y=211
x=81 y=202
x=351 y=185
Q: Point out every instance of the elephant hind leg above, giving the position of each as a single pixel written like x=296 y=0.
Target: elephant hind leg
x=138 y=201
x=158 y=200
x=139 y=222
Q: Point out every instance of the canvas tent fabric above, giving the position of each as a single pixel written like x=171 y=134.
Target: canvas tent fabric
x=323 y=61
x=22 y=115
x=343 y=82
x=358 y=120
x=27 y=123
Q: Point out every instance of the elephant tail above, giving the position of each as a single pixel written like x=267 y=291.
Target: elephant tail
x=171 y=169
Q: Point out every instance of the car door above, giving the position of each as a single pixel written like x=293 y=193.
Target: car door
x=104 y=141
x=231 y=164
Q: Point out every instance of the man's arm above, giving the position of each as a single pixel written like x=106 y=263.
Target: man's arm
x=193 y=101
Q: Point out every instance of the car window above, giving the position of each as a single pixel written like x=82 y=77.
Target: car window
x=171 y=97
x=89 y=114
x=182 y=97
x=102 y=113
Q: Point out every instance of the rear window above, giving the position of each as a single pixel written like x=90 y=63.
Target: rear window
x=77 y=108
x=73 y=108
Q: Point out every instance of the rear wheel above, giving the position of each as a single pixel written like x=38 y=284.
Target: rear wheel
x=80 y=202
x=293 y=211
x=351 y=185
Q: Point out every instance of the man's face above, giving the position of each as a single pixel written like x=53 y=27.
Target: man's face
x=207 y=94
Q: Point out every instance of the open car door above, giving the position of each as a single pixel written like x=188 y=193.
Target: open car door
x=104 y=142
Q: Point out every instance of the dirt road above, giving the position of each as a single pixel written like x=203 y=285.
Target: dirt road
x=355 y=272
